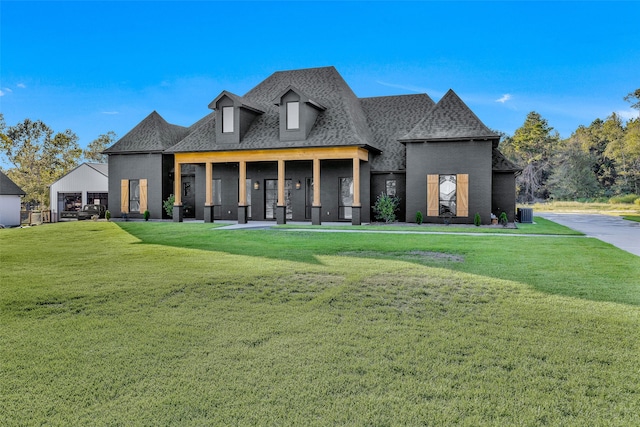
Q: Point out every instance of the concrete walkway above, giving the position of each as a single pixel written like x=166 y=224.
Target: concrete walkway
x=610 y=229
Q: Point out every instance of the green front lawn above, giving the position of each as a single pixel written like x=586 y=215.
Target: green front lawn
x=635 y=218
x=180 y=324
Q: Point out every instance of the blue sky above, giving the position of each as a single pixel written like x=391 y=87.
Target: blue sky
x=93 y=67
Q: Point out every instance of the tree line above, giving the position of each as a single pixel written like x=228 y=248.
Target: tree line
x=40 y=156
x=597 y=161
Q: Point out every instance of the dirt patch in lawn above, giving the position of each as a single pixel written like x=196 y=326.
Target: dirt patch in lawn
x=420 y=256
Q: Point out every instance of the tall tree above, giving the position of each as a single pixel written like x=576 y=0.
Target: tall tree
x=39 y=157
x=573 y=176
x=634 y=99
x=93 y=152
x=532 y=145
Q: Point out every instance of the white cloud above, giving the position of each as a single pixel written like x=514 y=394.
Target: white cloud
x=506 y=97
x=110 y=113
x=1 y=93
x=7 y=90
x=628 y=114
x=22 y=85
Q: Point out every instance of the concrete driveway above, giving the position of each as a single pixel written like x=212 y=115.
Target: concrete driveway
x=611 y=229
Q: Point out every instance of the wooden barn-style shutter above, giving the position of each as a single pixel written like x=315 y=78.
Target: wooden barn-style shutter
x=462 y=194
x=143 y=195
x=433 y=195
x=124 y=196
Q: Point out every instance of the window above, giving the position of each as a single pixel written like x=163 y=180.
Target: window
x=346 y=198
x=447 y=195
x=227 y=119
x=217 y=192
x=391 y=187
x=293 y=115
x=134 y=195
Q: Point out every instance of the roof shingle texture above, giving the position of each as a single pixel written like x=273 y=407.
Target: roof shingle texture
x=449 y=119
x=8 y=187
x=390 y=118
x=153 y=134
x=343 y=123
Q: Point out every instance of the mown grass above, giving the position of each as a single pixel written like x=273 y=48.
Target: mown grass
x=180 y=324
x=590 y=207
x=635 y=218
x=540 y=226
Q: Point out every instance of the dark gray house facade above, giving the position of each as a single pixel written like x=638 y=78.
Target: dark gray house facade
x=300 y=146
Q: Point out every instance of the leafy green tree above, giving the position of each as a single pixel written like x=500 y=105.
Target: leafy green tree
x=573 y=176
x=532 y=145
x=38 y=157
x=93 y=152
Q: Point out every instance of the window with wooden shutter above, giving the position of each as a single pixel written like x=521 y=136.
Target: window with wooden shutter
x=124 y=196
x=143 y=195
x=432 y=195
x=463 y=194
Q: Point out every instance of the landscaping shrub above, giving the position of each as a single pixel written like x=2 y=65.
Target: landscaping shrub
x=107 y=215
x=168 y=205
x=627 y=198
x=477 y=220
x=419 y=217
x=503 y=220
x=146 y=215
x=385 y=207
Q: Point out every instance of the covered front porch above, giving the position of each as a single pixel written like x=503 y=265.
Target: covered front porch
x=317 y=184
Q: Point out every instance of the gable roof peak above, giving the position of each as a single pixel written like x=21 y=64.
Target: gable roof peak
x=152 y=134
x=238 y=101
x=449 y=119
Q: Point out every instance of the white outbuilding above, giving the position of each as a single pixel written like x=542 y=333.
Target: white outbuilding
x=10 y=195
x=87 y=184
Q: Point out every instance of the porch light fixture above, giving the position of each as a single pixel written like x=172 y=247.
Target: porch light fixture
x=298 y=185
x=256 y=185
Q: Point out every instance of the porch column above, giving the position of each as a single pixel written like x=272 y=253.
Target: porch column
x=242 y=193
x=177 y=192
x=281 y=208
x=208 y=197
x=356 y=207
x=316 y=207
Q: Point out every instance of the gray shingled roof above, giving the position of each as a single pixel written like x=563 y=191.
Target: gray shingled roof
x=153 y=134
x=8 y=187
x=343 y=123
x=449 y=119
x=499 y=163
x=390 y=118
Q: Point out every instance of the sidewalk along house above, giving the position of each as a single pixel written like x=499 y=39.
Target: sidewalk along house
x=87 y=184
x=10 y=200
x=302 y=146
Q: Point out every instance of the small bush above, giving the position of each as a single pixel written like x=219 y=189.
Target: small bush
x=627 y=198
x=107 y=215
x=477 y=220
x=637 y=202
x=386 y=207
x=503 y=220
x=419 y=217
x=168 y=205
x=146 y=215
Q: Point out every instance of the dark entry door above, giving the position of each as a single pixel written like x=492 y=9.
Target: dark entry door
x=271 y=198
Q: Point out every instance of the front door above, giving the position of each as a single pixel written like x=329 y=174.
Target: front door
x=271 y=198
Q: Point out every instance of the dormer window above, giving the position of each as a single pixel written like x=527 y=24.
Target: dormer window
x=227 y=119
x=298 y=114
x=234 y=115
x=293 y=115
